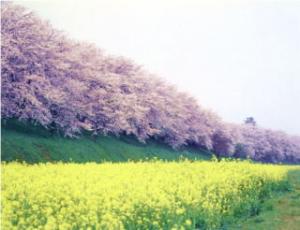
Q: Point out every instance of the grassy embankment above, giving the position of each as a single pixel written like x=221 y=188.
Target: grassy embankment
x=33 y=144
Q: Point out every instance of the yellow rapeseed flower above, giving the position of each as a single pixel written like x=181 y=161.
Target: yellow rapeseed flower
x=143 y=195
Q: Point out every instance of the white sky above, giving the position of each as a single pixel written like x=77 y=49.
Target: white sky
x=238 y=59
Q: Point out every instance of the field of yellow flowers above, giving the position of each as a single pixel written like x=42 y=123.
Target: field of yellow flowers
x=142 y=195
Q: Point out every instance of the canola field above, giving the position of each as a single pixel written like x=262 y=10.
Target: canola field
x=143 y=195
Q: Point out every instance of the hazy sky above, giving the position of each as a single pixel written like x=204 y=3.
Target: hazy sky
x=237 y=59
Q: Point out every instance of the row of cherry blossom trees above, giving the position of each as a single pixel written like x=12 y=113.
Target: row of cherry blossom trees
x=70 y=86
x=248 y=141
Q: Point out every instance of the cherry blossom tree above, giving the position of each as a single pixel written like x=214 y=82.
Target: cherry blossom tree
x=72 y=86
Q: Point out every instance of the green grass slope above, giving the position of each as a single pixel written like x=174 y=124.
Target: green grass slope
x=33 y=144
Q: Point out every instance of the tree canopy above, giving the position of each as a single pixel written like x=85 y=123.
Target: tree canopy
x=72 y=86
